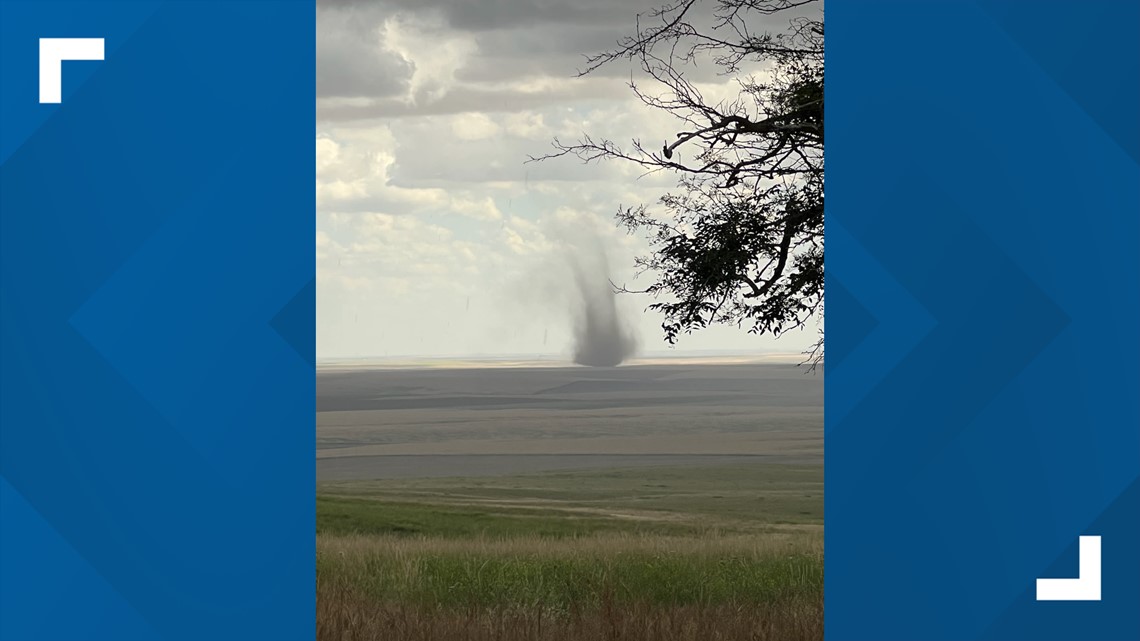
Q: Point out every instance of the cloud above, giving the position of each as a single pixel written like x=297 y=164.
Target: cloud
x=474 y=126
x=434 y=236
x=352 y=60
x=493 y=15
x=433 y=52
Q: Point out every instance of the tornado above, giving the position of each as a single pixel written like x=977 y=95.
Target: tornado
x=603 y=336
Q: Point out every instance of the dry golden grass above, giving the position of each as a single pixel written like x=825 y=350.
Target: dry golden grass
x=798 y=540
x=609 y=586
x=345 y=615
x=728 y=553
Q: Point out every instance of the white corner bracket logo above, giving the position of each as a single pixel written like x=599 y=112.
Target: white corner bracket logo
x=1086 y=587
x=53 y=51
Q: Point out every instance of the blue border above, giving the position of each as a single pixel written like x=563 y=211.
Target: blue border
x=983 y=324
x=157 y=265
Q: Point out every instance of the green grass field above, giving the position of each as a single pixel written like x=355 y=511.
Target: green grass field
x=733 y=552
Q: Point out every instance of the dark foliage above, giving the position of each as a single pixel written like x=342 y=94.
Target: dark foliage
x=741 y=239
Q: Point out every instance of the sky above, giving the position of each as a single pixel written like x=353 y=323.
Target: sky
x=435 y=237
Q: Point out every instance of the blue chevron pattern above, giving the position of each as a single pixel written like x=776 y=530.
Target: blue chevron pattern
x=984 y=210
x=157 y=323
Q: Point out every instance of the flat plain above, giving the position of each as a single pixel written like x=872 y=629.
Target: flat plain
x=402 y=423
x=657 y=502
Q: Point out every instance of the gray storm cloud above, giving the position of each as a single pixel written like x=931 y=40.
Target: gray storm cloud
x=602 y=334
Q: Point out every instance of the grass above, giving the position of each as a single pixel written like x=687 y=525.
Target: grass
x=561 y=574
x=669 y=500
x=634 y=555
x=339 y=515
x=348 y=617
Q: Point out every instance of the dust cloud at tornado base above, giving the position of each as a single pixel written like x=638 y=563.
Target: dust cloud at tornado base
x=571 y=285
x=602 y=335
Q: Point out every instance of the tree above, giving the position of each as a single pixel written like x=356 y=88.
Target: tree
x=741 y=239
